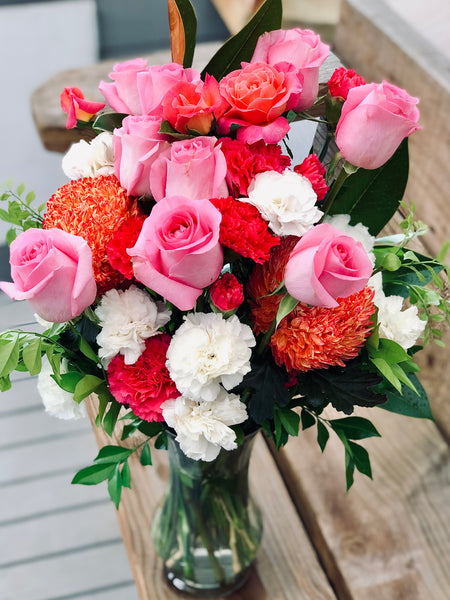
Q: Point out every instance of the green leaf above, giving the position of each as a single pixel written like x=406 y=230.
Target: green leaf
x=32 y=356
x=355 y=428
x=269 y=388
x=372 y=197
x=20 y=189
x=126 y=475
x=349 y=469
x=108 y=122
x=103 y=403
x=287 y=305
x=9 y=355
x=290 y=420
x=93 y=474
x=322 y=435
x=110 y=420
x=240 y=47
x=68 y=381
x=189 y=23
x=307 y=419
x=115 y=486
x=146 y=455
x=113 y=454
x=361 y=459
x=86 y=386
x=161 y=441
x=86 y=349
x=167 y=129
x=408 y=402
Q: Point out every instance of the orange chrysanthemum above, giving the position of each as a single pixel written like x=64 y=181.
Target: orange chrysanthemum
x=310 y=337
x=93 y=208
x=315 y=337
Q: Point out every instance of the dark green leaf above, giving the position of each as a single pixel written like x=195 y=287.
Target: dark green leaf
x=269 y=388
x=167 y=128
x=161 y=441
x=240 y=47
x=68 y=381
x=322 y=435
x=146 y=455
x=355 y=428
x=372 y=197
x=349 y=469
x=115 y=486
x=108 y=121
x=94 y=474
x=307 y=419
x=103 y=403
x=86 y=349
x=361 y=459
x=290 y=420
x=110 y=420
x=113 y=454
x=150 y=429
x=126 y=475
x=409 y=403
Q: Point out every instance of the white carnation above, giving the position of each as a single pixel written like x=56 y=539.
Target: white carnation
x=57 y=402
x=208 y=350
x=203 y=428
x=402 y=326
x=287 y=200
x=90 y=159
x=127 y=319
x=358 y=232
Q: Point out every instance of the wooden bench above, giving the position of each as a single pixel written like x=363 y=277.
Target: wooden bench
x=384 y=540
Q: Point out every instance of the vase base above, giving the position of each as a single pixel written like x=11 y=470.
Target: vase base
x=206 y=591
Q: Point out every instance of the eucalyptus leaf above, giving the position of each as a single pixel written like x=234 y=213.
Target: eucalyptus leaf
x=241 y=46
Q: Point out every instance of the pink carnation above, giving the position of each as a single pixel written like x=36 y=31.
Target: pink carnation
x=146 y=384
x=244 y=161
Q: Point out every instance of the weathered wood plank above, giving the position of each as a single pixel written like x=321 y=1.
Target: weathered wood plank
x=287 y=568
x=384 y=540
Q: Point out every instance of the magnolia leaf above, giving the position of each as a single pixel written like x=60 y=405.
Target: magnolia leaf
x=183 y=31
x=307 y=419
x=115 y=486
x=290 y=420
x=322 y=435
x=241 y=46
x=361 y=459
x=126 y=475
x=408 y=402
x=371 y=197
x=146 y=455
x=355 y=428
x=108 y=122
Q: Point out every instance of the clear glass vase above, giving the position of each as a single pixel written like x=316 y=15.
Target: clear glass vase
x=207 y=528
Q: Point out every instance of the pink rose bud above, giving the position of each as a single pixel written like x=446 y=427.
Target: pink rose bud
x=51 y=269
x=303 y=50
x=326 y=264
x=227 y=293
x=178 y=252
x=76 y=107
x=375 y=119
x=342 y=81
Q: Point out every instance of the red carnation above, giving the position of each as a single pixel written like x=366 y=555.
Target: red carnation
x=227 y=293
x=244 y=230
x=342 y=81
x=125 y=237
x=146 y=384
x=244 y=161
x=312 y=169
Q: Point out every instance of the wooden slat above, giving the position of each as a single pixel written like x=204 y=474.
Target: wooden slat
x=287 y=567
x=384 y=540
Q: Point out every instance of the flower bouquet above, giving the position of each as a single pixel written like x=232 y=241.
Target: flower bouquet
x=204 y=284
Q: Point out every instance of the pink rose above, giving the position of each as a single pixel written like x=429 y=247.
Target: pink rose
x=51 y=269
x=326 y=264
x=122 y=95
x=138 y=89
x=194 y=106
x=258 y=95
x=137 y=144
x=195 y=167
x=154 y=84
x=178 y=252
x=77 y=107
x=300 y=48
x=374 y=120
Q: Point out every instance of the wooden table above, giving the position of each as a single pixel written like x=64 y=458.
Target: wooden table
x=383 y=540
